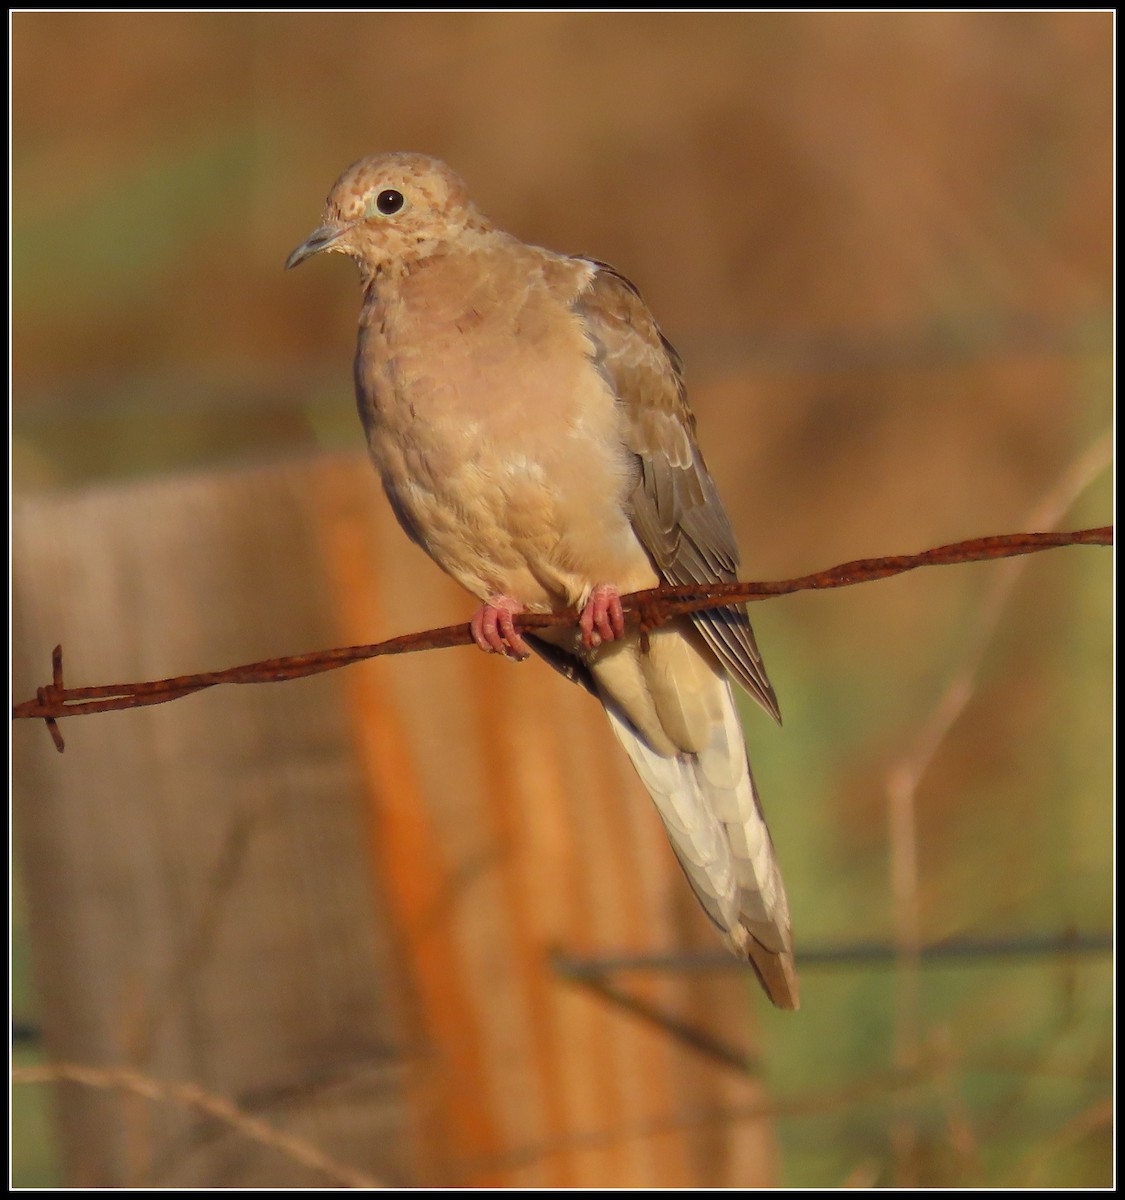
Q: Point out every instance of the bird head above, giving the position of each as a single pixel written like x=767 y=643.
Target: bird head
x=391 y=208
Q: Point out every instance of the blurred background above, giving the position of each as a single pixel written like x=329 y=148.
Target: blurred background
x=882 y=243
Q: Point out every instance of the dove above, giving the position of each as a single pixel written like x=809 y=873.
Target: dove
x=530 y=425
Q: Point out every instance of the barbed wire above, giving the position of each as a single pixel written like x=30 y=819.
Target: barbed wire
x=963 y=950
x=645 y=610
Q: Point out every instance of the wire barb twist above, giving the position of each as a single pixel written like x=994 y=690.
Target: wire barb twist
x=644 y=610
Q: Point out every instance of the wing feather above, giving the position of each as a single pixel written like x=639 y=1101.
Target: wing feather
x=675 y=507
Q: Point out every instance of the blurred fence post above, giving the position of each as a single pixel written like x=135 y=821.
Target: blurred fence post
x=334 y=902
x=198 y=907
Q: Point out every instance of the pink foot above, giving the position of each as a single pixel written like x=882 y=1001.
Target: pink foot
x=494 y=631
x=602 y=619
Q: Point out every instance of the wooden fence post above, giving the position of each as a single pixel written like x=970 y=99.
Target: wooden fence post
x=333 y=902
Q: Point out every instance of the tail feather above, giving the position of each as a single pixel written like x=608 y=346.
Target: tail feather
x=711 y=813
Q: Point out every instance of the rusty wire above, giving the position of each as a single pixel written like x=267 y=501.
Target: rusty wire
x=644 y=610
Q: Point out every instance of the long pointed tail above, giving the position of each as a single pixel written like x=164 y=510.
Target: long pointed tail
x=710 y=810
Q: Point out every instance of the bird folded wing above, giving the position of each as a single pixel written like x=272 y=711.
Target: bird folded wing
x=675 y=508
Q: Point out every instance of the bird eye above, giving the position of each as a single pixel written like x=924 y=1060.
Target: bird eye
x=389 y=201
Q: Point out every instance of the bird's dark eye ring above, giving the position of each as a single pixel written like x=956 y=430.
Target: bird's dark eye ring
x=389 y=201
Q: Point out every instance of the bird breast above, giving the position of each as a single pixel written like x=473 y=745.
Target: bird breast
x=496 y=437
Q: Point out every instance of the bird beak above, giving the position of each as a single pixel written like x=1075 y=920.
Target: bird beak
x=322 y=238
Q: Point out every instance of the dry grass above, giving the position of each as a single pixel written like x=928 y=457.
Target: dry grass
x=883 y=243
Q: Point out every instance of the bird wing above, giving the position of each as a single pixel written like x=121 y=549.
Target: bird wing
x=675 y=507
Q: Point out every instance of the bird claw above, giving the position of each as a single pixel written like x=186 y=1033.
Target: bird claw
x=494 y=630
x=602 y=619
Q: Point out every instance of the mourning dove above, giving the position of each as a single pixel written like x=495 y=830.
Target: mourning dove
x=531 y=428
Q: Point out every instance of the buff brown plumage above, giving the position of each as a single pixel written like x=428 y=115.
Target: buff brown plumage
x=531 y=428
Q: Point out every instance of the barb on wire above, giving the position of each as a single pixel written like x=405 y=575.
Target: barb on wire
x=645 y=610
